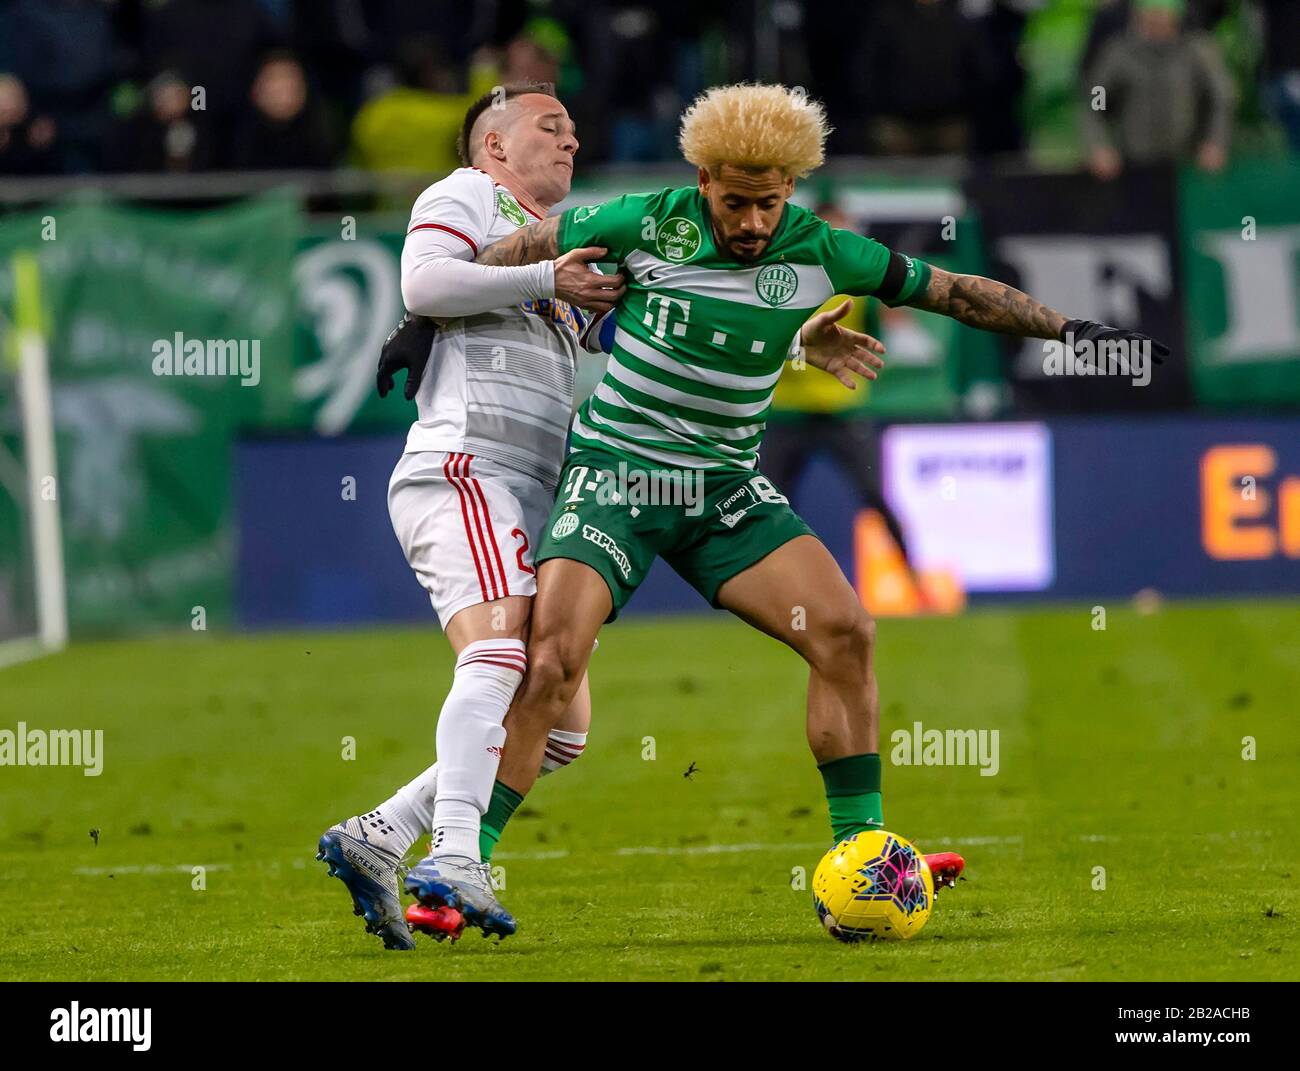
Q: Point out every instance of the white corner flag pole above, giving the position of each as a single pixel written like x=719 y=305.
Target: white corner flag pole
x=38 y=447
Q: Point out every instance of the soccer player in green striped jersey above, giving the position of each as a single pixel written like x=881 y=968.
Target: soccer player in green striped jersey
x=722 y=279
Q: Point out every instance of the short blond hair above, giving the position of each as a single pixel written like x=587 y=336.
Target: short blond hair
x=757 y=127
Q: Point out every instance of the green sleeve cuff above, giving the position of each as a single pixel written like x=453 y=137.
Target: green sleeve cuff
x=917 y=282
x=562 y=232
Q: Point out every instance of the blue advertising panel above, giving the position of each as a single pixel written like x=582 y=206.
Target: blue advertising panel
x=1067 y=509
x=316 y=546
x=1186 y=506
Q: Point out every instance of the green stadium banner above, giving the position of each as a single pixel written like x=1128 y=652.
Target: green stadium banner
x=1241 y=253
x=347 y=281
x=166 y=332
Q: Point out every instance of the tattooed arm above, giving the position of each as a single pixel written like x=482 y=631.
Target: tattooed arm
x=528 y=245
x=994 y=306
x=988 y=304
x=575 y=280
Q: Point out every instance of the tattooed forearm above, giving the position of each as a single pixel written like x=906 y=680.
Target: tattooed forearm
x=988 y=304
x=528 y=245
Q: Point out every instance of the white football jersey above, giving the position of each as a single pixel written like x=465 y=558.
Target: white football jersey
x=499 y=384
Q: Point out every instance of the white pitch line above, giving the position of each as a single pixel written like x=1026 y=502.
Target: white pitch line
x=711 y=849
x=696 y=849
x=723 y=849
x=23 y=649
x=557 y=853
x=1210 y=835
x=151 y=868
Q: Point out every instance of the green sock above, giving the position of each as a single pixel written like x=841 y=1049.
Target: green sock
x=504 y=801
x=853 y=793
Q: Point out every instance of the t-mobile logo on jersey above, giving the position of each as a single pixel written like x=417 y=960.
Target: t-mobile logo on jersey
x=660 y=310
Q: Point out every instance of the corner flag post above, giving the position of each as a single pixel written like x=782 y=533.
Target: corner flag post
x=39 y=449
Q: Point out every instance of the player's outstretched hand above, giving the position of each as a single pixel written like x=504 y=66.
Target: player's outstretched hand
x=839 y=351
x=406 y=347
x=1092 y=331
x=577 y=284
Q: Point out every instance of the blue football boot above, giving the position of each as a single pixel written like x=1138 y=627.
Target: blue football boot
x=463 y=884
x=370 y=874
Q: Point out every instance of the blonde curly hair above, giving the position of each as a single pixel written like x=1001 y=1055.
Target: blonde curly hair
x=755 y=126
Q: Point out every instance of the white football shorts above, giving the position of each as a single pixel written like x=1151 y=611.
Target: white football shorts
x=468 y=527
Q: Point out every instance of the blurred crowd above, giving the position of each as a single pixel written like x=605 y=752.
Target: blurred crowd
x=201 y=85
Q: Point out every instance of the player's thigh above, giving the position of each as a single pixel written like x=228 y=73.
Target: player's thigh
x=743 y=521
x=572 y=603
x=797 y=594
x=467 y=526
x=500 y=619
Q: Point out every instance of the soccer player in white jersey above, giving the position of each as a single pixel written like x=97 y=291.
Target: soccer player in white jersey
x=723 y=277
x=470 y=493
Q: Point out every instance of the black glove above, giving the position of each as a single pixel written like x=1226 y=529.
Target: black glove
x=407 y=347
x=1095 y=333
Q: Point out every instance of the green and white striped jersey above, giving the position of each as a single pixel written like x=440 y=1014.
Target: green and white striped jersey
x=701 y=338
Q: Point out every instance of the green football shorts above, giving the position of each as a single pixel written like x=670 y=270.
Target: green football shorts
x=616 y=514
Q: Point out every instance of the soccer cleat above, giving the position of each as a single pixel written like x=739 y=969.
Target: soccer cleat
x=463 y=884
x=439 y=923
x=370 y=874
x=945 y=868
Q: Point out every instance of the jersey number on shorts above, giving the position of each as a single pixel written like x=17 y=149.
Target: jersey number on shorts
x=519 y=533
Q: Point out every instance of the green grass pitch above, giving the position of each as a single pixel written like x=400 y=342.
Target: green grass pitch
x=1119 y=749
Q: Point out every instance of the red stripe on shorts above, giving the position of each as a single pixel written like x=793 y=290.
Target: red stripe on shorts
x=464 y=512
x=487 y=519
x=462 y=467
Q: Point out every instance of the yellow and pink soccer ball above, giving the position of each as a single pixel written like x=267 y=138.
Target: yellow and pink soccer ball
x=873 y=886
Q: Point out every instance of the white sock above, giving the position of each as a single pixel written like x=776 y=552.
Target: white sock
x=470 y=739
x=405 y=817
x=408 y=815
x=562 y=747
